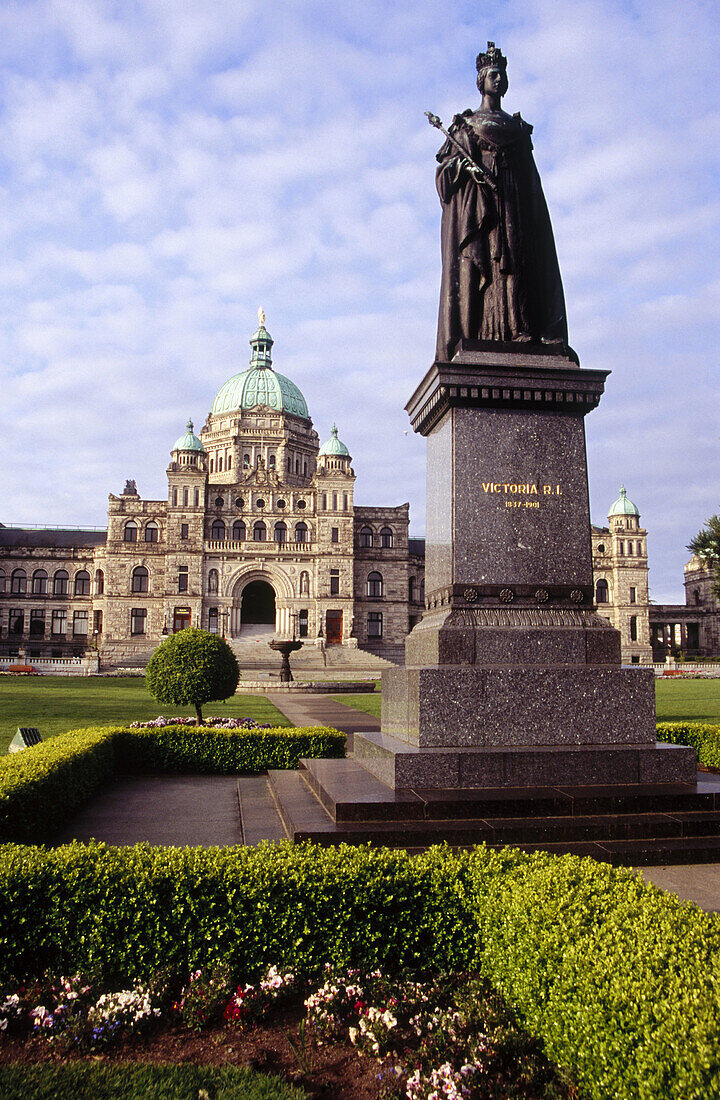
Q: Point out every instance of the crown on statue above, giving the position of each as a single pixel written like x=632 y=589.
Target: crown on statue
x=493 y=59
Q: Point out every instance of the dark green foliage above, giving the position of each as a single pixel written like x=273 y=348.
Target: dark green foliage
x=619 y=980
x=42 y=786
x=140 y=1082
x=192 y=667
x=706 y=545
x=704 y=738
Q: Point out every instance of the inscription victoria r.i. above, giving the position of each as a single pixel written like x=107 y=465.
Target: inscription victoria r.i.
x=521 y=488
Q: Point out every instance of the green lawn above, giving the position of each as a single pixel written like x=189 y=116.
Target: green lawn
x=56 y=704
x=368 y=702
x=687 y=700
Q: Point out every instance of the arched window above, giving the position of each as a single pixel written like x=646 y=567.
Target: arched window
x=217 y=531
x=696 y=597
x=411 y=590
x=185 y=496
x=213 y=620
x=220 y=463
x=39 y=582
x=238 y=531
x=304 y=584
x=174 y=497
x=18 y=582
x=212 y=465
x=140 y=579
x=386 y=538
x=259 y=531
x=280 y=533
x=639 y=549
x=271 y=462
x=99 y=582
x=213 y=578
x=2 y=580
x=228 y=464
x=60 y=583
x=602 y=592
x=151 y=531
x=631 y=549
x=323 y=502
x=246 y=462
x=130 y=531
x=366 y=537
x=82 y=583
x=374 y=584
x=301 y=531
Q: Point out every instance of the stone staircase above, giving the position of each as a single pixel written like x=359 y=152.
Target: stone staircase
x=254 y=656
x=334 y=802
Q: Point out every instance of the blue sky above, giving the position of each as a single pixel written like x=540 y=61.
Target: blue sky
x=167 y=167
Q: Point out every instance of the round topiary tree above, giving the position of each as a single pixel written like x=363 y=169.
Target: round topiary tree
x=192 y=667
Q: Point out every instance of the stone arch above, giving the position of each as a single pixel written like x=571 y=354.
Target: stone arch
x=247 y=575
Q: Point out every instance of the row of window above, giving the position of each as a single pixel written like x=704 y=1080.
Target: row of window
x=183 y=496
x=631 y=551
x=151 y=531
x=58 y=623
x=39 y=582
x=366 y=538
x=602 y=592
x=334 y=499
x=218 y=532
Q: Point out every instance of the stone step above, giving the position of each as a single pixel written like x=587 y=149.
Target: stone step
x=627 y=839
x=350 y=793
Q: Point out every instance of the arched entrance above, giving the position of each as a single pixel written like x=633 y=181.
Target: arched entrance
x=258 y=604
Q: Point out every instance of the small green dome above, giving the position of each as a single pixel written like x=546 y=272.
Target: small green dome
x=261 y=384
x=189 y=441
x=623 y=506
x=334 y=446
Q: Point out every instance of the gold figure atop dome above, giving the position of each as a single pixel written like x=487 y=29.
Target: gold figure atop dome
x=261 y=315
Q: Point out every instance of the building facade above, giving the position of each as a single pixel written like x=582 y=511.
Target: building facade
x=620 y=575
x=258 y=533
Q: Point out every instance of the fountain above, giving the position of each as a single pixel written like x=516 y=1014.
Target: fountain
x=285 y=646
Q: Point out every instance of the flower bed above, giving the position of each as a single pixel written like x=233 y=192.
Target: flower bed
x=437 y=1035
x=42 y=786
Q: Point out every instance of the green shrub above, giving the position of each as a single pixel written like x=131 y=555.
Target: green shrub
x=192 y=667
x=620 y=981
x=702 y=736
x=42 y=786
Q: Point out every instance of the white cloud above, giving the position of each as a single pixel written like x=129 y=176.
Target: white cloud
x=165 y=169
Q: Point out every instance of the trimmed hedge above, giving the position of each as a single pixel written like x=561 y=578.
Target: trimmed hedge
x=42 y=786
x=621 y=981
x=704 y=738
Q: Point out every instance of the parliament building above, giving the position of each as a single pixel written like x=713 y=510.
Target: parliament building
x=259 y=535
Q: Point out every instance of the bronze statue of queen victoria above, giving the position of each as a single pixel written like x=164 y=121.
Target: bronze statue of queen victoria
x=500 y=279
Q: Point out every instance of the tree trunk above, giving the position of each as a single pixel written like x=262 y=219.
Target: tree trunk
x=198 y=712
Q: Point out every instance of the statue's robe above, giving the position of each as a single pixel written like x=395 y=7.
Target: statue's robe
x=501 y=279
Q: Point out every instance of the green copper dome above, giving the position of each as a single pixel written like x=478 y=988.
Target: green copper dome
x=623 y=506
x=189 y=441
x=261 y=384
x=334 y=446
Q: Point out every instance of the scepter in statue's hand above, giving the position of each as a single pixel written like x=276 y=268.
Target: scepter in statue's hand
x=477 y=171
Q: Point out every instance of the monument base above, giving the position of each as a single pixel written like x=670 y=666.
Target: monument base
x=404 y=766
x=474 y=707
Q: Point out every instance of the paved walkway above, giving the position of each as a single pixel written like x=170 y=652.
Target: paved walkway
x=173 y=810
x=323 y=710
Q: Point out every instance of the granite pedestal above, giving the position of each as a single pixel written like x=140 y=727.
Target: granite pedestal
x=513 y=703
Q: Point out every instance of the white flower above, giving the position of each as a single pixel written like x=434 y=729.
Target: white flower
x=353 y=1033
